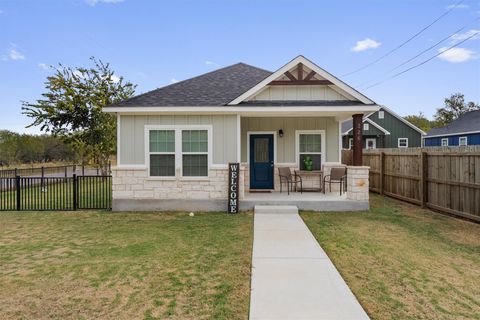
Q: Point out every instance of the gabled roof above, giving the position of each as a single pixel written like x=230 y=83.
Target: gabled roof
x=347 y=125
x=301 y=60
x=468 y=123
x=216 y=88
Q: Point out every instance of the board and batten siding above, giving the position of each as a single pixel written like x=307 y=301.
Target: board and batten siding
x=304 y=93
x=397 y=129
x=132 y=131
x=286 y=145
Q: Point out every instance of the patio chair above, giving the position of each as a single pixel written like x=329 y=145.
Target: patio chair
x=337 y=175
x=290 y=180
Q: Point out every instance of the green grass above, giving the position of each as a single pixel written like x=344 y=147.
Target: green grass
x=87 y=265
x=403 y=262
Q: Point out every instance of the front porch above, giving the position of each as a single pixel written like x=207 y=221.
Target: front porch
x=315 y=201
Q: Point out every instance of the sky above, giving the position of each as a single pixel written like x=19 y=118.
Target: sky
x=155 y=43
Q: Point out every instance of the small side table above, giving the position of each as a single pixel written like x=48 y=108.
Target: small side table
x=304 y=173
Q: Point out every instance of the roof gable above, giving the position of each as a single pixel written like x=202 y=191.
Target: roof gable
x=306 y=73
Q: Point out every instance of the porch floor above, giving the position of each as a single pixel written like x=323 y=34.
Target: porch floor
x=315 y=201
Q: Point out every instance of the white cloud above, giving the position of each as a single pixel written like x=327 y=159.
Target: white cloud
x=469 y=33
x=78 y=73
x=211 y=63
x=173 y=80
x=14 y=54
x=94 y=2
x=115 y=78
x=459 y=6
x=366 y=44
x=43 y=66
x=457 y=55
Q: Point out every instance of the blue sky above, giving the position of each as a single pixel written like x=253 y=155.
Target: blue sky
x=154 y=43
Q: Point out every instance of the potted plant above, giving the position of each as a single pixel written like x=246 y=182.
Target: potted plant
x=308 y=162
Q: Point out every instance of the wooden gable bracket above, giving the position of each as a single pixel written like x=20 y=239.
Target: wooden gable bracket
x=299 y=80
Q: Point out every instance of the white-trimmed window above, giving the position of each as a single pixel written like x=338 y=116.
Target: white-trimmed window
x=403 y=142
x=350 y=143
x=366 y=126
x=162 y=153
x=310 y=146
x=173 y=151
x=194 y=153
x=444 y=142
x=463 y=141
x=381 y=114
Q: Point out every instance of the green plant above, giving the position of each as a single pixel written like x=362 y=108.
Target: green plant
x=308 y=162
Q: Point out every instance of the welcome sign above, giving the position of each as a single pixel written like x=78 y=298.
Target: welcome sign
x=233 y=180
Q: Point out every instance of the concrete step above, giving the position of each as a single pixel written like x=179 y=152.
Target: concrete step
x=275 y=209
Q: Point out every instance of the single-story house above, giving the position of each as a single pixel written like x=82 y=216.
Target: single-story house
x=384 y=129
x=464 y=131
x=175 y=143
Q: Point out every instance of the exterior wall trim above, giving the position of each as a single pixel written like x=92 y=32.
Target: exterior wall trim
x=297 y=144
x=451 y=134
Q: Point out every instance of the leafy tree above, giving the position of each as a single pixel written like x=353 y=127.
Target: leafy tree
x=455 y=107
x=420 y=121
x=72 y=107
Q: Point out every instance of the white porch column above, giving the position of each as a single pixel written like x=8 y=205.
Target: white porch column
x=357 y=183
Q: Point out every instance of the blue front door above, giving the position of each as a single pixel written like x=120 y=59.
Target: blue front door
x=261 y=161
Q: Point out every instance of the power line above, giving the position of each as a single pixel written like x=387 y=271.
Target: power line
x=426 y=50
x=405 y=42
x=423 y=62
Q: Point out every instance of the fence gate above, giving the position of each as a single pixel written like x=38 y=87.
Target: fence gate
x=55 y=193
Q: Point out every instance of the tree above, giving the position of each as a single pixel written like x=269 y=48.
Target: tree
x=420 y=121
x=72 y=107
x=455 y=107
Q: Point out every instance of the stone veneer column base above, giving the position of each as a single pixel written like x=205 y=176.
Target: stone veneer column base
x=357 y=183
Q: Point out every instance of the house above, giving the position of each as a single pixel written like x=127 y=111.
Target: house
x=175 y=143
x=384 y=129
x=464 y=131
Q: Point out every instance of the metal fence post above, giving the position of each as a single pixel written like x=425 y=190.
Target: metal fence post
x=16 y=172
x=75 y=185
x=18 y=192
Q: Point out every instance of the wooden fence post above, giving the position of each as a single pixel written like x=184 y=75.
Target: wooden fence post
x=382 y=172
x=423 y=181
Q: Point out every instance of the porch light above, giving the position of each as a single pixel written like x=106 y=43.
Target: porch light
x=280 y=133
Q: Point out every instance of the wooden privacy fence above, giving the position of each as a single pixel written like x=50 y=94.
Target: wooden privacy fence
x=443 y=179
x=55 y=193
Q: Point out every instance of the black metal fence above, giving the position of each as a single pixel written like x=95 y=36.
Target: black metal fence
x=55 y=193
x=55 y=171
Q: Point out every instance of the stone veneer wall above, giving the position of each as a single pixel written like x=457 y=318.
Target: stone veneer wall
x=357 y=183
x=135 y=184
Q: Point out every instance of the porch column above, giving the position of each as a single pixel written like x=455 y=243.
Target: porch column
x=357 y=139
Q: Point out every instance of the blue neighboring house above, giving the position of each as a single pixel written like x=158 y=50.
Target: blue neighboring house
x=464 y=131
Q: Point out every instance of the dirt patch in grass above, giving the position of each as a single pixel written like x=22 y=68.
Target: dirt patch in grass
x=403 y=262
x=124 y=265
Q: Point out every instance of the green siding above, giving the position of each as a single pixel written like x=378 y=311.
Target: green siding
x=397 y=129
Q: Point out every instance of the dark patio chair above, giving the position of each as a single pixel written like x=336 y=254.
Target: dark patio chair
x=290 y=180
x=337 y=175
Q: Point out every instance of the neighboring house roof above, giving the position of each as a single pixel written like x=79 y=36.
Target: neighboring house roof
x=468 y=123
x=347 y=126
x=216 y=88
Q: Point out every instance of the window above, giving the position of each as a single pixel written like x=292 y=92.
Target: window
x=381 y=114
x=310 y=147
x=171 y=148
x=195 y=153
x=462 y=141
x=162 y=153
x=350 y=143
x=366 y=127
x=444 y=142
x=403 y=142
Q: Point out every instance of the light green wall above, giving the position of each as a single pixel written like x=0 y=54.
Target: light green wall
x=286 y=144
x=132 y=130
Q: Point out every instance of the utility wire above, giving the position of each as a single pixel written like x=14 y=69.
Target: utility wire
x=405 y=42
x=423 y=62
x=426 y=50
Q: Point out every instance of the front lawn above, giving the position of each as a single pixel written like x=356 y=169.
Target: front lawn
x=74 y=265
x=403 y=262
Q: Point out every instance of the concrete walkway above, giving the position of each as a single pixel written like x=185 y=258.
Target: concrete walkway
x=292 y=277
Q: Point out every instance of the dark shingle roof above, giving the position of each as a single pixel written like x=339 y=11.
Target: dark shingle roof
x=347 y=125
x=470 y=121
x=216 y=88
